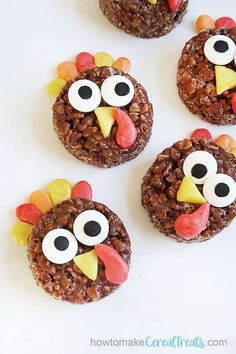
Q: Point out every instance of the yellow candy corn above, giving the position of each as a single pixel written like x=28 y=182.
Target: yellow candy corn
x=225 y=79
x=88 y=264
x=189 y=193
x=106 y=119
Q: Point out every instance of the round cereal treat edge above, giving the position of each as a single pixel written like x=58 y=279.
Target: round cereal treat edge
x=81 y=135
x=142 y=19
x=66 y=282
x=196 y=81
x=161 y=183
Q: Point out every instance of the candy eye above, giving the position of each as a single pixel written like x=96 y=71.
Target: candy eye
x=117 y=91
x=91 y=227
x=84 y=96
x=220 y=50
x=220 y=190
x=200 y=165
x=59 y=246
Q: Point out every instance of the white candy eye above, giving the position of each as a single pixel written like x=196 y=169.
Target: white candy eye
x=200 y=165
x=59 y=246
x=91 y=227
x=117 y=91
x=220 y=190
x=220 y=50
x=84 y=95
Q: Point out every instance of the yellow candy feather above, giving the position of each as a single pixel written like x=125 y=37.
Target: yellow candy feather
x=59 y=190
x=21 y=231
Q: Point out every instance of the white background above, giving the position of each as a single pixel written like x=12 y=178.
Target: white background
x=173 y=289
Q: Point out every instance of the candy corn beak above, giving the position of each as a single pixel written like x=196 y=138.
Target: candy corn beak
x=106 y=119
x=116 y=269
x=225 y=79
x=88 y=264
x=189 y=193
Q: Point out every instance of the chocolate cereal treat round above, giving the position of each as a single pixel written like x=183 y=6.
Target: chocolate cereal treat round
x=79 y=250
x=103 y=117
x=190 y=190
x=206 y=76
x=66 y=281
x=142 y=18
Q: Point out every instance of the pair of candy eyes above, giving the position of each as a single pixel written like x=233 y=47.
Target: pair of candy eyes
x=118 y=91
x=220 y=50
x=90 y=228
x=218 y=189
x=85 y=96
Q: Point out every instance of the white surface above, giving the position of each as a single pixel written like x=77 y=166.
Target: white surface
x=173 y=289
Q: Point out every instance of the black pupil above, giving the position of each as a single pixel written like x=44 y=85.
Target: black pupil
x=199 y=171
x=61 y=243
x=92 y=228
x=85 y=92
x=122 y=89
x=222 y=190
x=221 y=46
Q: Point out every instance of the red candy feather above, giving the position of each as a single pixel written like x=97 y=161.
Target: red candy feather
x=28 y=213
x=201 y=134
x=84 y=61
x=174 y=4
x=226 y=22
x=82 y=189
